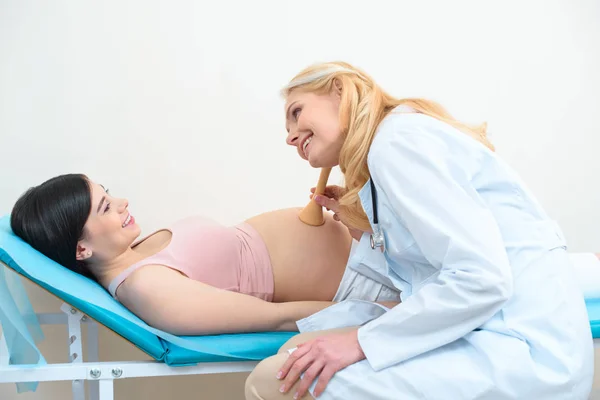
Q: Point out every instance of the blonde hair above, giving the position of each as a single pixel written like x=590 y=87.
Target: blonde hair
x=363 y=105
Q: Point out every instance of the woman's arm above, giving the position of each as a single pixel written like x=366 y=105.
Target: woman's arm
x=169 y=301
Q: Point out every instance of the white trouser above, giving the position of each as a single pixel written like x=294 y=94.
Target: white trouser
x=355 y=285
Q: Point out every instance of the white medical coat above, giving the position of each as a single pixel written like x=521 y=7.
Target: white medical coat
x=490 y=309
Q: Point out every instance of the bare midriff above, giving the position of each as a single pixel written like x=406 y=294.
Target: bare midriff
x=308 y=262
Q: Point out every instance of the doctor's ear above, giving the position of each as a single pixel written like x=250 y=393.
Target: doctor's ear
x=83 y=252
x=337 y=87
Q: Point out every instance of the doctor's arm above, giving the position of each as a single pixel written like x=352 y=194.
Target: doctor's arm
x=430 y=192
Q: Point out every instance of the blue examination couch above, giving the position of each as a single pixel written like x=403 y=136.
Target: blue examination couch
x=90 y=299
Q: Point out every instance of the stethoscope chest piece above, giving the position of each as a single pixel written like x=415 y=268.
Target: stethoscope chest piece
x=377 y=238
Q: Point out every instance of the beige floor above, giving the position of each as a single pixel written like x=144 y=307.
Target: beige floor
x=114 y=348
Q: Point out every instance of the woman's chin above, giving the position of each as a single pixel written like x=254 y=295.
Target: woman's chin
x=135 y=231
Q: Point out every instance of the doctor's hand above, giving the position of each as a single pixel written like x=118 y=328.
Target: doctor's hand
x=331 y=191
x=330 y=200
x=320 y=358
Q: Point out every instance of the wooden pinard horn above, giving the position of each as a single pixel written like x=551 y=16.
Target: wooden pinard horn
x=312 y=214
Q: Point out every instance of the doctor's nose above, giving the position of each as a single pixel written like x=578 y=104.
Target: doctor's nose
x=292 y=138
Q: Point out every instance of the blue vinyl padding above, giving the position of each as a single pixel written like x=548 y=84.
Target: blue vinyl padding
x=593 y=309
x=92 y=299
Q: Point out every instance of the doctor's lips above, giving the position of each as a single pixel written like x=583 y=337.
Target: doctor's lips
x=304 y=144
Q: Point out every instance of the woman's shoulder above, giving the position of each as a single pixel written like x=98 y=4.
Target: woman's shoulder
x=143 y=283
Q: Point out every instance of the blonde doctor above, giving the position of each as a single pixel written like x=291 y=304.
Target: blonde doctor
x=489 y=307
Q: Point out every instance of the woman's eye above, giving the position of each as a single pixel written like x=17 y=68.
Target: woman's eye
x=107 y=207
x=296 y=112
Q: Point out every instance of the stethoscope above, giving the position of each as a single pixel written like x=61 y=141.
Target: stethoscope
x=377 y=238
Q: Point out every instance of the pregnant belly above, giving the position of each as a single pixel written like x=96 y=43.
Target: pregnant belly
x=308 y=262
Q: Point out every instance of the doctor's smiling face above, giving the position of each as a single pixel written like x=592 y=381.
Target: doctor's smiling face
x=313 y=126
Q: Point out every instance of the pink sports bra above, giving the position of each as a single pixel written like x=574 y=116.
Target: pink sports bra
x=231 y=258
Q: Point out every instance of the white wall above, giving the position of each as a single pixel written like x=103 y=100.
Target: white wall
x=144 y=97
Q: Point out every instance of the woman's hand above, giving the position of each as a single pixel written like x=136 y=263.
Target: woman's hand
x=330 y=200
x=320 y=358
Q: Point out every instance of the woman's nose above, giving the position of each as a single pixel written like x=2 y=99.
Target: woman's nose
x=124 y=204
